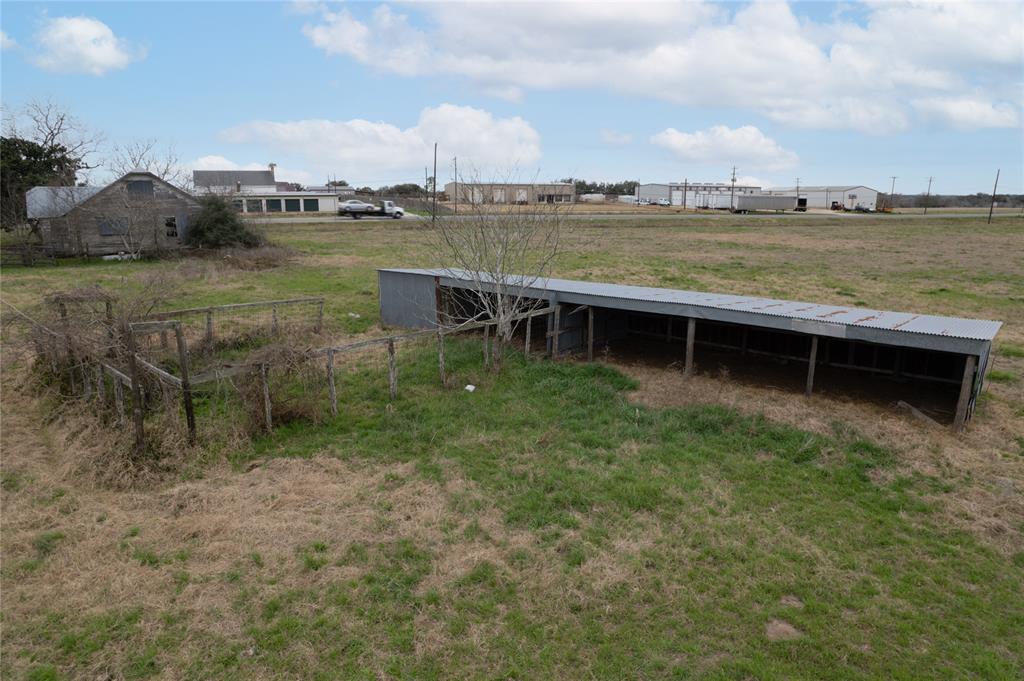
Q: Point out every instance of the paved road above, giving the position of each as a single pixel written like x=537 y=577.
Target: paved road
x=675 y=216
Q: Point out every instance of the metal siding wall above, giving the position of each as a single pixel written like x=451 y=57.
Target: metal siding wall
x=407 y=300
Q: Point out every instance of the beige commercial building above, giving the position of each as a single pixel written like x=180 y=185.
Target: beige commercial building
x=466 y=192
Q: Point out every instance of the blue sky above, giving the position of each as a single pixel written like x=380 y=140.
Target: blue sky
x=830 y=93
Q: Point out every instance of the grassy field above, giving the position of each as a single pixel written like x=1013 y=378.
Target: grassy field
x=564 y=520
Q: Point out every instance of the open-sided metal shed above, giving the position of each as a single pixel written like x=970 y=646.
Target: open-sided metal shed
x=948 y=351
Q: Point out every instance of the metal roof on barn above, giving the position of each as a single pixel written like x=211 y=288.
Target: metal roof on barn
x=831 y=320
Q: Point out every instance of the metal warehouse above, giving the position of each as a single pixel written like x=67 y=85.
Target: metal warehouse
x=856 y=352
x=848 y=197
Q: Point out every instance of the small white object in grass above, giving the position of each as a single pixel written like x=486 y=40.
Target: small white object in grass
x=354 y=315
x=470 y=388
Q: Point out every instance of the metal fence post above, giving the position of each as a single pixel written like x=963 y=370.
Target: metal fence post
x=332 y=390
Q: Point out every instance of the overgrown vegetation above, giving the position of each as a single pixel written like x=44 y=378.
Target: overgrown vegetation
x=218 y=225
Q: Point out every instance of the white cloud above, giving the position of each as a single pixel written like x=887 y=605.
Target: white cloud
x=366 y=149
x=746 y=146
x=968 y=112
x=83 y=45
x=859 y=70
x=6 y=41
x=615 y=137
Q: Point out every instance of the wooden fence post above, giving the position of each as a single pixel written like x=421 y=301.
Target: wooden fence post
x=133 y=373
x=119 y=401
x=440 y=356
x=332 y=390
x=186 y=386
x=209 y=326
x=319 y=318
x=392 y=370
x=267 y=412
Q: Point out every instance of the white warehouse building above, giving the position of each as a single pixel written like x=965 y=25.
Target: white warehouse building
x=849 y=197
x=693 y=194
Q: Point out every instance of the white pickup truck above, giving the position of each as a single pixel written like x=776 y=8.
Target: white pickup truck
x=357 y=209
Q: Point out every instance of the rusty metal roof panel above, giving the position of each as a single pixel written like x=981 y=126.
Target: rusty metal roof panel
x=885 y=320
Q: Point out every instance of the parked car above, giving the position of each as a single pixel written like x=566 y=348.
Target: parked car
x=664 y=202
x=354 y=206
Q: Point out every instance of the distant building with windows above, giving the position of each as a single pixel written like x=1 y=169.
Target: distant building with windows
x=510 y=193
x=691 y=194
x=287 y=202
x=136 y=213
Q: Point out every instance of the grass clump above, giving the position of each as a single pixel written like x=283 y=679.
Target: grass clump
x=1002 y=376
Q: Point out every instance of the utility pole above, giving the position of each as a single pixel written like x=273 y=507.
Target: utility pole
x=685 y=187
x=928 y=195
x=732 y=190
x=892 y=193
x=992 y=205
x=433 y=212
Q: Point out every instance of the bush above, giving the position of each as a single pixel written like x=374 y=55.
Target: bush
x=218 y=225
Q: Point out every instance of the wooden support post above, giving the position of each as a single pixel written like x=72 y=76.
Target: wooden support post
x=186 y=386
x=440 y=357
x=332 y=390
x=811 y=362
x=590 y=334
x=273 y=319
x=529 y=331
x=101 y=393
x=319 y=318
x=966 y=388
x=209 y=326
x=691 y=331
x=119 y=401
x=557 y=331
x=487 y=346
x=267 y=407
x=392 y=370
x=136 y=386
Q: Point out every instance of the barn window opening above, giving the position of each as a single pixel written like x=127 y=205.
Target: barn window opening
x=112 y=226
x=171 y=226
x=139 y=187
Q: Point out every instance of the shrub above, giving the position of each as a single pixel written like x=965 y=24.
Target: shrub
x=218 y=225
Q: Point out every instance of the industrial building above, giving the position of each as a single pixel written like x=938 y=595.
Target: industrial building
x=253 y=203
x=849 y=197
x=936 y=364
x=510 y=193
x=692 y=194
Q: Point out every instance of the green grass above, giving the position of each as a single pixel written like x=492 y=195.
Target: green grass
x=648 y=543
x=561 y=454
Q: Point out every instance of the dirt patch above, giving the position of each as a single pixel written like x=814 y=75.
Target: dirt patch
x=780 y=630
x=791 y=601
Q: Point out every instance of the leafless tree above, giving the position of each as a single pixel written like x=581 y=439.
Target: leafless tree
x=504 y=252
x=48 y=124
x=147 y=155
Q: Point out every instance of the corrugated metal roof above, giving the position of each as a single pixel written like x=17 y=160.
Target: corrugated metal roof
x=823 y=187
x=905 y=322
x=53 y=202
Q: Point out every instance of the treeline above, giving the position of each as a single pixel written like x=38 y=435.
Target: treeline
x=587 y=187
x=979 y=200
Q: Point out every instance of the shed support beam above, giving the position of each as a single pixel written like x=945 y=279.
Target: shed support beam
x=590 y=334
x=691 y=331
x=812 y=361
x=556 y=331
x=966 y=386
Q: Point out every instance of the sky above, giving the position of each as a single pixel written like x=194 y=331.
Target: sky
x=830 y=93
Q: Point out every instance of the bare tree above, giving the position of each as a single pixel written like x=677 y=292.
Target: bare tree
x=50 y=125
x=147 y=155
x=504 y=253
